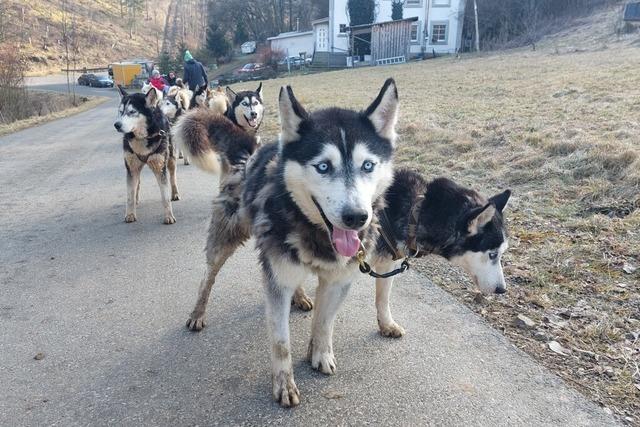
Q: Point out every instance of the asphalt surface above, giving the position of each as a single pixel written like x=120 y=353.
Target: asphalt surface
x=58 y=83
x=106 y=304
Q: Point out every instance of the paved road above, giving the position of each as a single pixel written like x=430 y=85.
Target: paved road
x=106 y=302
x=58 y=83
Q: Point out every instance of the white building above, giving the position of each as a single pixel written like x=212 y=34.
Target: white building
x=439 y=24
x=438 y=29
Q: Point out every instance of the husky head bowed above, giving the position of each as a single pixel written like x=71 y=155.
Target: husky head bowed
x=337 y=163
x=467 y=229
x=246 y=108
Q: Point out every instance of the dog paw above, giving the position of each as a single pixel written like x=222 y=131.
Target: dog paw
x=392 y=330
x=169 y=219
x=180 y=155
x=285 y=391
x=130 y=218
x=323 y=361
x=186 y=162
x=175 y=197
x=302 y=302
x=196 y=324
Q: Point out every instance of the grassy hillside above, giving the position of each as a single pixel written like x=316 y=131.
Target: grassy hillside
x=102 y=34
x=560 y=126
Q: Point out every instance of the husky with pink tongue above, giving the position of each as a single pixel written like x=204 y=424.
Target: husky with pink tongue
x=311 y=201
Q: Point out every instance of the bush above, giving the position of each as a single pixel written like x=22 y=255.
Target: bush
x=13 y=66
x=271 y=57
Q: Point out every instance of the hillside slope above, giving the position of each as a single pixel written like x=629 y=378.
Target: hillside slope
x=104 y=32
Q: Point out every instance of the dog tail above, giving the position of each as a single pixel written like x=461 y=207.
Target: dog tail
x=191 y=135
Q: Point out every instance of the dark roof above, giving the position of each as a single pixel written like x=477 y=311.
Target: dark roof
x=357 y=27
x=632 y=11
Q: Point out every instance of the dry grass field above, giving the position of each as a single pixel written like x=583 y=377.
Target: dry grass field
x=561 y=127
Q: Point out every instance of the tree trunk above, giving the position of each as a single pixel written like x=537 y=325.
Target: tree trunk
x=475 y=12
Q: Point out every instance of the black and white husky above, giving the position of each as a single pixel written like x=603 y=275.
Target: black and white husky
x=215 y=140
x=441 y=218
x=312 y=202
x=146 y=141
x=246 y=108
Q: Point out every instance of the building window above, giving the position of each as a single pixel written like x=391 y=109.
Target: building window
x=414 y=31
x=441 y=3
x=343 y=28
x=439 y=33
x=412 y=3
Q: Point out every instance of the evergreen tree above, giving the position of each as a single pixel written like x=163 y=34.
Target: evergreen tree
x=396 y=9
x=361 y=12
x=217 y=42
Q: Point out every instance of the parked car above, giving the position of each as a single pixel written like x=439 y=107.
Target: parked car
x=248 y=47
x=251 y=68
x=95 y=81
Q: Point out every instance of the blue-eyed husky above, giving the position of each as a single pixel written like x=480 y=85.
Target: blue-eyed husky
x=311 y=202
x=317 y=198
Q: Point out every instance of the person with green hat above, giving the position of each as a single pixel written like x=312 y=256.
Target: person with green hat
x=194 y=73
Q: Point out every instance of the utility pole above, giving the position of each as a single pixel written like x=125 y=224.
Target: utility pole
x=475 y=11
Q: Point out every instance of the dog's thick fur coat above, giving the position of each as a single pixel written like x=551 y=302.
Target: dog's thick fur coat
x=299 y=226
x=147 y=141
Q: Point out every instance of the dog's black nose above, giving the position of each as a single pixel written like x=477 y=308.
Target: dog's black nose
x=118 y=126
x=500 y=290
x=254 y=114
x=355 y=219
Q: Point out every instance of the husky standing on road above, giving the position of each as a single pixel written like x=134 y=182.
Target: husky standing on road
x=311 y=202
x=146 y=141
x=215 y=141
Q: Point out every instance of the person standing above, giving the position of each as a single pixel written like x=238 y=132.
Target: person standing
x=194 y=73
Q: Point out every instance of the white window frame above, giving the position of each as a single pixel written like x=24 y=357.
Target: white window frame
x=416 y=3
x=415 y=24
x=446 y=33
x=440 y=3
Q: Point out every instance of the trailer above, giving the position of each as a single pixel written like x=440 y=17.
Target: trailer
x=131 y=73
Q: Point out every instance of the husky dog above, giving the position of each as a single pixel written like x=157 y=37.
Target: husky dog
x=146 y=87
x=146 y=141
x=217 y=100
x=173 y=106
x=312 y=202
x=246 y=108
x=199 y=98
x=214 y=143
x=441 y=218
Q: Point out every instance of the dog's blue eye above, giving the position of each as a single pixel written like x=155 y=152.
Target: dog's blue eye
x=493 y=255
x=323 y=167
x=367 y=166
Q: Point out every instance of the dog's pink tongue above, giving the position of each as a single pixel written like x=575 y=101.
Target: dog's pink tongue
x=346 y=242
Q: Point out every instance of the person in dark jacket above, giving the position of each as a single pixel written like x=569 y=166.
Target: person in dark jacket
x=171 y=78
x=194 y=73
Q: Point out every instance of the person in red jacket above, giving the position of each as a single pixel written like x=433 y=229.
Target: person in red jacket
x=158 y=82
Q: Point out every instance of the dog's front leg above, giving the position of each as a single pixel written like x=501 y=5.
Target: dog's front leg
x=158 y=165
x=134 y=166
x=388 y=327
x=175 y=195
x=278 y=305
x=329 y=298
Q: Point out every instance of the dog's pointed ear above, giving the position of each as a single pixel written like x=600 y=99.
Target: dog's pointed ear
x=500 y=200
x=259 y=90
x=383 y=111
x=479 y=217
x=291 y=115
x=231 y=95
x=122 y=92
x=151 y=98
